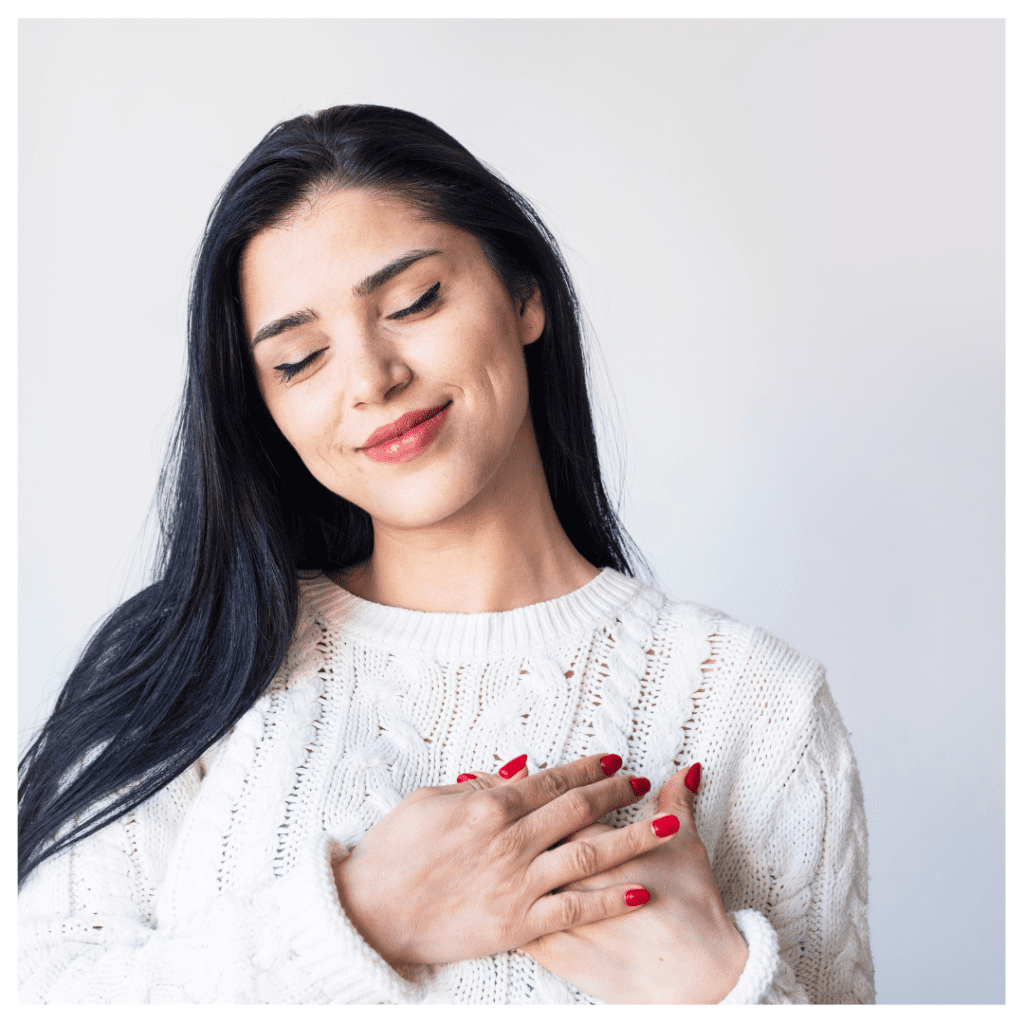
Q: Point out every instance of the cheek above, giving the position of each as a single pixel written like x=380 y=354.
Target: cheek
x=305 y=422
x=490 y=362
x=503 y=380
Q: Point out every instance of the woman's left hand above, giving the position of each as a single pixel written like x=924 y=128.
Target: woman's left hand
x=680 y=948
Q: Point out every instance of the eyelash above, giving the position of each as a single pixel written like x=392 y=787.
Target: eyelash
x=289 y=370
x=425 y=301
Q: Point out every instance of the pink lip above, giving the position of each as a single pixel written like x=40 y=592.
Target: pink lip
x=405 y=437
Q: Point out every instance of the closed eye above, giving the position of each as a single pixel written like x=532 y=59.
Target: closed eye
x=425 y=301
x=289 y=370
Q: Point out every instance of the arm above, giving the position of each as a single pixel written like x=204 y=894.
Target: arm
x=451 y=873
x=96 y=927
x=805 y=942
x=818 y=903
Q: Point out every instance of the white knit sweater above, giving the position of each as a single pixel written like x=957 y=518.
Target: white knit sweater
x=218 y=889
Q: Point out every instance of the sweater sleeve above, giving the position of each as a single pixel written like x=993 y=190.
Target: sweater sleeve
x=809 y=941
x=92 y=931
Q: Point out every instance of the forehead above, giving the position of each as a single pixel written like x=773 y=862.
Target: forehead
x=339 y=239
x=348 y=226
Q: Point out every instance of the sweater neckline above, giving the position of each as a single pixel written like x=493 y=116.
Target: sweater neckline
x=448 y=635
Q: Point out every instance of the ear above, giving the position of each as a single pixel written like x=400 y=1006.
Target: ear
x=532 y=317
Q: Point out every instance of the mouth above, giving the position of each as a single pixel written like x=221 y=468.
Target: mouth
x=407 y=436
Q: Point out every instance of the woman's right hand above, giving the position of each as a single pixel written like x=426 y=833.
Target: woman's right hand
x=464 y=871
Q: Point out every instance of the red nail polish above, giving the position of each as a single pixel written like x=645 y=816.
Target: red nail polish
x=668 y=825
x=611 y=763
x=636 y=897
x=465 y=777
x=640 y=785
x=515 y=765
x=692 y=780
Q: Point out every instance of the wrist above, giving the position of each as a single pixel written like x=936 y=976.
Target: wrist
x=762 y=957
x=714 y=965
x=731 y=959
x=364 y=919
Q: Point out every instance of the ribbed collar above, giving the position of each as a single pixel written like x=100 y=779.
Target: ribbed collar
x=455 y=635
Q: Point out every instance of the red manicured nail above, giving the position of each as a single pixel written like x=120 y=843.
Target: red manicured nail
x=640 y=785
x=668 y=825
x=636 y=897
x=692 y=780
x=465 y=777
x=515 y=765
x=611 y=763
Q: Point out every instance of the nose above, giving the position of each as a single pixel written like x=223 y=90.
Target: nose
x=375 y=371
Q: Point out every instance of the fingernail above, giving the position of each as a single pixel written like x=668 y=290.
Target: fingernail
x=640 y=785
x=665 y=826
x=692 y=780
x=514 y=766
x=611 y=763
x=465 y=777
x=636 y=897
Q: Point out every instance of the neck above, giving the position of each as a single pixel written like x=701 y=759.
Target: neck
x=506 y=549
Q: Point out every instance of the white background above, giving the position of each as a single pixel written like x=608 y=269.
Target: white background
x=789 y=238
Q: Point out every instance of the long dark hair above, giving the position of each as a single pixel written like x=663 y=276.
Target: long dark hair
x=173 y=668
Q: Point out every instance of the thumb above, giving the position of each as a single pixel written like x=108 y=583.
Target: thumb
x=677 y=795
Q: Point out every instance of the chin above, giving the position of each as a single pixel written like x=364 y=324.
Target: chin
x=426 y=501
x=413 y=518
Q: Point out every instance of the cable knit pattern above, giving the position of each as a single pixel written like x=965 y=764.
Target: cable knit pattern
x=219 y=888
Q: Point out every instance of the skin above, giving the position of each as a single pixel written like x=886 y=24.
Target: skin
x=456 y=872
x=468 y=525
x=636 y=958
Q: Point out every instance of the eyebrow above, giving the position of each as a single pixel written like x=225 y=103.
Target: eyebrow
x=370 y=284
x=284 y=323
x=367 y=286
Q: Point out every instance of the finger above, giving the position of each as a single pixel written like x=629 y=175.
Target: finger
x=561 y=911
x=469 y=781
x=593 y=854
x=540 y=789
x=474 y=779
x=590 y=830
x=585 y=833
x=577 y=809
x=597 y=829
x=499 y=779
x=677 y=795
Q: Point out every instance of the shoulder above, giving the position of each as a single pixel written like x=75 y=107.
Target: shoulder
x=763 y=710
x=749 y=682
x=743 y=658
x=309 y=643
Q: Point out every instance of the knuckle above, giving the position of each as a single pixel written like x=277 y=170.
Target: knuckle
x=583 y=856
x=635 y=839
x=485 y=811
x=573 y=910
x=579 y=805
x=552 y=784
x=507 y=844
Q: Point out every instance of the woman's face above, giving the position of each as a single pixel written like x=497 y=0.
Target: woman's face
x=389 y=354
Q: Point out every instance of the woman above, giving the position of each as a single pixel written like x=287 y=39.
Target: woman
x=390 y=567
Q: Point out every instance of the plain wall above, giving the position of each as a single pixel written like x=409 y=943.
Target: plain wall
x=789 y=238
